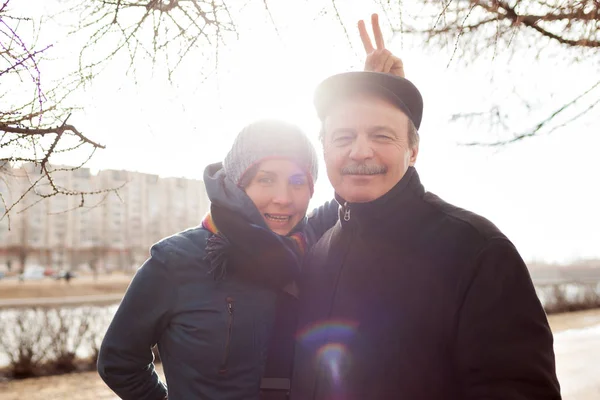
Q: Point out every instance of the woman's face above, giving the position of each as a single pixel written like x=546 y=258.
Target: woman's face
x=280 y=191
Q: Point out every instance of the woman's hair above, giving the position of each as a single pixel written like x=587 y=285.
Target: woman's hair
x=247 y=177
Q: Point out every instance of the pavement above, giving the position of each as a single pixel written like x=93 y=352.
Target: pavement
x=578 y=363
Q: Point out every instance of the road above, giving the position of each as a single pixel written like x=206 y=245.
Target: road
x=578 y=363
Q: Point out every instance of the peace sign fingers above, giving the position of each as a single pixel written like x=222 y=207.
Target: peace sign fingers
x=364 y=36
x=366 y=39
x=377 y=32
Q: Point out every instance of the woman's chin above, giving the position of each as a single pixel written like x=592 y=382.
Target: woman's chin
x=279 y=228
x=280 y=231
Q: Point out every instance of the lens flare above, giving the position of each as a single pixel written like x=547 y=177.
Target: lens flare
x=334 y=357
x=332 y=331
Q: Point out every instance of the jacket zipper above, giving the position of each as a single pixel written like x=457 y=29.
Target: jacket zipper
x=347 y=238
x=346 y=212
x=230 y=310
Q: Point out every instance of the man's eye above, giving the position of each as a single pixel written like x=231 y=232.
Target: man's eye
x=383 y=137
x=342 y=139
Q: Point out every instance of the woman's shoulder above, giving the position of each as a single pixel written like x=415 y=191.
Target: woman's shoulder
x=184 y=247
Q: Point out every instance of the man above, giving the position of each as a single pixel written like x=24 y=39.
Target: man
x=409 y=297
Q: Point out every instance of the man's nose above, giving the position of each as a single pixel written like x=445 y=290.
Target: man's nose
x=361 y=149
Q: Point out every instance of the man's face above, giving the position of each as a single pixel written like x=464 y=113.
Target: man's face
x=366 y=147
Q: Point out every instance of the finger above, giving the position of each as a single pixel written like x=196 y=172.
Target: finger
x=398 y=67
x=364 y=36
x=387 y=67
x=377 y=32
x=378 y=59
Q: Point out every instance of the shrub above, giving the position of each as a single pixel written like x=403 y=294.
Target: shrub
x=24 y=340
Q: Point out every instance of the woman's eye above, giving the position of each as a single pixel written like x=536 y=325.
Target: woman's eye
x=265 y=180
x=298 y=181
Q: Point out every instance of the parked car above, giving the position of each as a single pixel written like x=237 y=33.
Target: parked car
x=32 y=273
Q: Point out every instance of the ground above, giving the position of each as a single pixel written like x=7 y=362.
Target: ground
x=78 y=386
x=577 y=346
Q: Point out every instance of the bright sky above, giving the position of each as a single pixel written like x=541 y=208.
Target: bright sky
x=544 y=193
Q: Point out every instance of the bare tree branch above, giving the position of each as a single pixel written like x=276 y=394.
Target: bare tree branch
x=538 y=127
x=537 y=28
x=33 y=129
x=160 y=28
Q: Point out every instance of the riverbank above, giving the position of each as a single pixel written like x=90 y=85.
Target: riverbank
x=577 y=347
x=79 y=286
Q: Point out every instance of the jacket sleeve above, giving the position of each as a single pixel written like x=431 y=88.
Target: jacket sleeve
x=321 y=219
x=125 y=361
x=504 y=343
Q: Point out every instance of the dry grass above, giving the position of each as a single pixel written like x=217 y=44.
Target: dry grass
x=78 y=386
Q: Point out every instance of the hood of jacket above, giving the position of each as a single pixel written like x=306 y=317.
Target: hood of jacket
x=224 y=193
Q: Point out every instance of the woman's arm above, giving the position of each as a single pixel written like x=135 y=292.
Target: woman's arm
x=125 y=361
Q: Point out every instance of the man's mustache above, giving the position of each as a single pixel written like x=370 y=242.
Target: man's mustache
x=363 y=169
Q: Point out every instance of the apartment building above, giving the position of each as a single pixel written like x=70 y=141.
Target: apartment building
x=107 y=229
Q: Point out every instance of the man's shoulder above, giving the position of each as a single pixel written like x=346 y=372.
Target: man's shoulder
x=461 y=220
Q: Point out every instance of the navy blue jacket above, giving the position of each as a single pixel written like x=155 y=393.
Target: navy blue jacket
x=216 y=337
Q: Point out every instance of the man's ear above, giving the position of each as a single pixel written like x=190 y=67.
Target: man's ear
x=414 y=152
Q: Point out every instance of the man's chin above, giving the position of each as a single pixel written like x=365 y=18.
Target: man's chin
x=361 y=180
x=361 y=188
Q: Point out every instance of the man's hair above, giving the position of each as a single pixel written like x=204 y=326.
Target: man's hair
x=413 y=134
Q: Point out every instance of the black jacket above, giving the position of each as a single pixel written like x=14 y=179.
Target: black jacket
x=409 y=297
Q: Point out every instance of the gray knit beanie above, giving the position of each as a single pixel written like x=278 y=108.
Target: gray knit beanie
x=270 y=139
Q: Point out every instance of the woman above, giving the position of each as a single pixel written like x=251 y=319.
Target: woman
x=219 y=299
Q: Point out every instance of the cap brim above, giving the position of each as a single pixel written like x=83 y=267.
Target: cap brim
x=341 y=86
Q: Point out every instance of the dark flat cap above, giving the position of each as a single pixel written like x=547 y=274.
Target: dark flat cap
x=400 y=91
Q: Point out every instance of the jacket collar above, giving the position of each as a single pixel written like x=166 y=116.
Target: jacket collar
x=387 y=208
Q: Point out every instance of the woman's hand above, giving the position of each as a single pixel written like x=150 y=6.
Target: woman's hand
x=379 y=59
